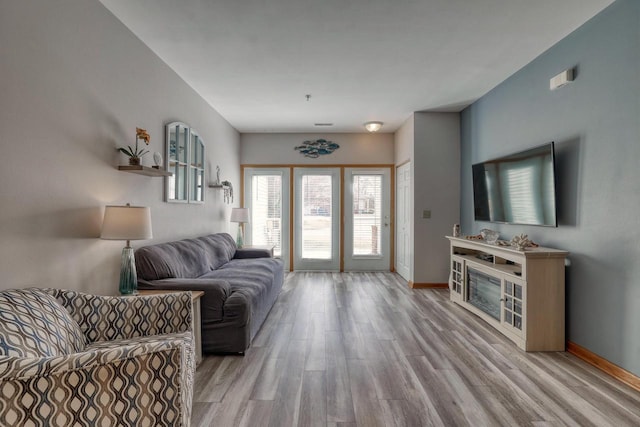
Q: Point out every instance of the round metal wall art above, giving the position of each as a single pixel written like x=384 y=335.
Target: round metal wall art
x=317 y=148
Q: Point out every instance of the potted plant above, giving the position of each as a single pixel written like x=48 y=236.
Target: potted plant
x=135 y=154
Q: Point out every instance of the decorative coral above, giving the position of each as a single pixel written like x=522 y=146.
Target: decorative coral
x=521 y=242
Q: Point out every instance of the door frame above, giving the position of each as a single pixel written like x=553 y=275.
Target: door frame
x=292 y=166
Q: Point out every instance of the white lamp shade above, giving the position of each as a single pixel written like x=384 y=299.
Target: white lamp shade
x=126 y=223
x=240 y=215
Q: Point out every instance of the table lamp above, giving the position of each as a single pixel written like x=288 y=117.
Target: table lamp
x=127 y=223
x=241 y=216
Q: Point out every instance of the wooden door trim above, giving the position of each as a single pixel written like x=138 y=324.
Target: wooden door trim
x=291 y=166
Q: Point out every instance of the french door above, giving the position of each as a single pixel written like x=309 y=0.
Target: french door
x=300 y=211
x=316 y=221
x=266 y=194
x=367 y=219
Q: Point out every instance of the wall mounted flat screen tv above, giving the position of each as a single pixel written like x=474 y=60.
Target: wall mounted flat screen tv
x=517 y=189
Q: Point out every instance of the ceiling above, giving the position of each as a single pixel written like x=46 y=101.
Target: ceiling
x=255 y=61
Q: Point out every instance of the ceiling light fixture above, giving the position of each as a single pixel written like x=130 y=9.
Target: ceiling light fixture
x=373 y=126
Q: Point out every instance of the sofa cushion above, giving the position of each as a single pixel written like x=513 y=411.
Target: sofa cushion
x=246 y=272
x=34 y=324
x=251 y=278
x=189 y=258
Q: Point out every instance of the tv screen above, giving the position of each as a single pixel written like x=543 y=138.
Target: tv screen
x=517 y=189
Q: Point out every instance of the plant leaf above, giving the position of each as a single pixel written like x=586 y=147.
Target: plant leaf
x=128 y=152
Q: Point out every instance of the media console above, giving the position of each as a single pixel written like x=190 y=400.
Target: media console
x=520 y=293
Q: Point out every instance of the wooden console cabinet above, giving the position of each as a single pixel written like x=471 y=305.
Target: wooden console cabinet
x=520 y=293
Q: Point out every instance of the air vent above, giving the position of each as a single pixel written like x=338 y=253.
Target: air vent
x=323 y=124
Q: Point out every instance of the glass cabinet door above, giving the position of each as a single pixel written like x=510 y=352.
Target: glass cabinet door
x=513 y=298
x=457 y=279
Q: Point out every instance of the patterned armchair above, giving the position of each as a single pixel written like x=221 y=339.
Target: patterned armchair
x=68 y=358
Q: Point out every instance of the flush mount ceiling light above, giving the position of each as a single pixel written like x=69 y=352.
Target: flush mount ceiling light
x=373 y=126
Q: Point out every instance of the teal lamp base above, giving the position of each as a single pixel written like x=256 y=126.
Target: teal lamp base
x=128 y=275
x=240 y=238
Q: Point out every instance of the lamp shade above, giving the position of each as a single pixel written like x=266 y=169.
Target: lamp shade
x=240 y=215
x=126 y=223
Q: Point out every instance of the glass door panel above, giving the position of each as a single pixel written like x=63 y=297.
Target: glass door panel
x=484 y=292
x=266 y=215
x=267 y=197
x=367 y=215
x=316 y=219
x=367 y=219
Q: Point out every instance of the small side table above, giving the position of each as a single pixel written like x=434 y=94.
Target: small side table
x=196 y=322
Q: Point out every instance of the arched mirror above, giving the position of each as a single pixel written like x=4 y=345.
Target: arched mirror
x=185 y=159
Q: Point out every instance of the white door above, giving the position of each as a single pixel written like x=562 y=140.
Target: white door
x=316 y=219
x=403 y=221
x=266 y=194
x=367 y=221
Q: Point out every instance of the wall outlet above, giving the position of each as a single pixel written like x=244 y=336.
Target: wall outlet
x=426 y=214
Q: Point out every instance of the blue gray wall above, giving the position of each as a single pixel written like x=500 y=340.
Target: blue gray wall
x=595 y=122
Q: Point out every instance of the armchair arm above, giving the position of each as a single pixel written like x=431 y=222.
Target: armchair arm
x=104 y=318
x=145 y=383
x=216 y=292
x=244 y=253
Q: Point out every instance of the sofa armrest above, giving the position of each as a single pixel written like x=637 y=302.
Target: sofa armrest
x=96 y=387
x=244 y=253
x=216 y=292
x=103 y=318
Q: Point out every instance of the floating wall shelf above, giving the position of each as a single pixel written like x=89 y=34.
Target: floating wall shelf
x=144 y=170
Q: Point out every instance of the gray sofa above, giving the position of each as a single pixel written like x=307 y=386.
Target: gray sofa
x=240 y=285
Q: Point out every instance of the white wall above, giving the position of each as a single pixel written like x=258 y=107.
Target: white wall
x=278 y=148
x=431 y=141
x=74 y=84
x=403 y=141
x=436 y=175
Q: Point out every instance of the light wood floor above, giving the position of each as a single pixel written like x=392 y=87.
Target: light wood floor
x=362 y=349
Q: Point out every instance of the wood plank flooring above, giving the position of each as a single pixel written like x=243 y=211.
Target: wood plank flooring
x=362 y=349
